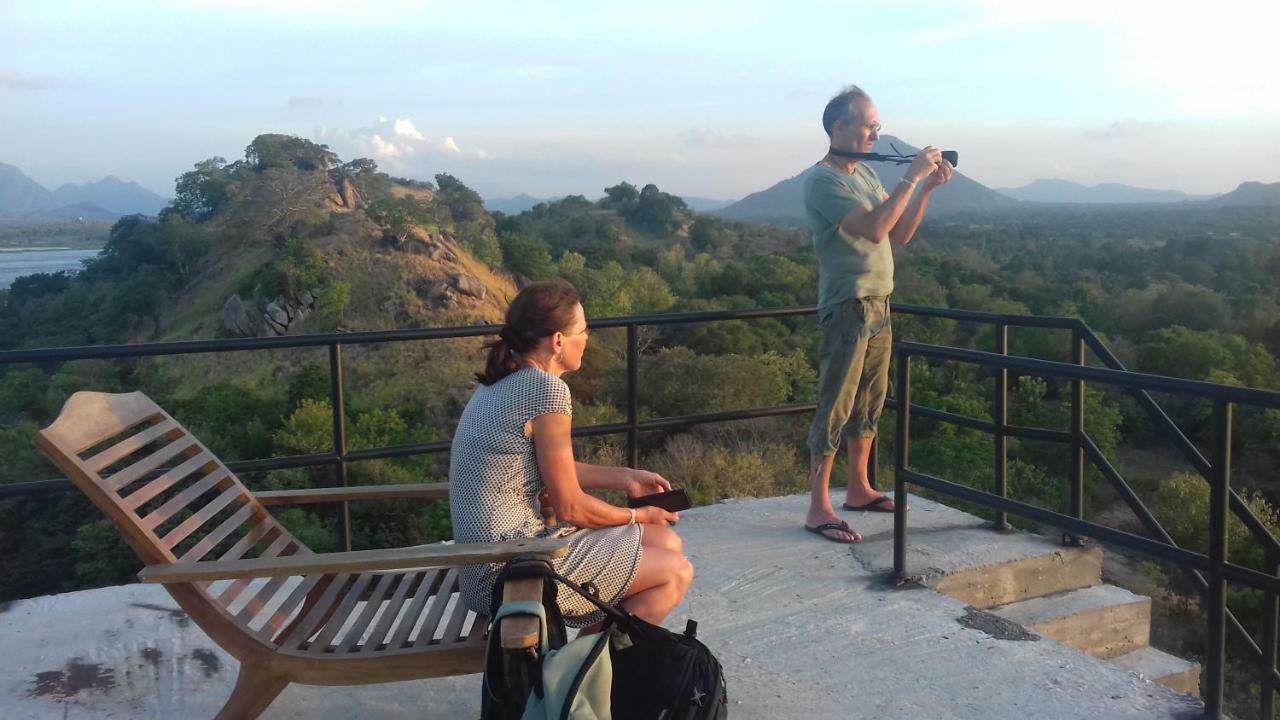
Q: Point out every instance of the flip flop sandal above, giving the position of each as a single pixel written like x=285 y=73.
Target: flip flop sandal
x=876 y=505
x=842 y=526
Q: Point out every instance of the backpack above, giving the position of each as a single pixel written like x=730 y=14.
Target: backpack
x=631 y=669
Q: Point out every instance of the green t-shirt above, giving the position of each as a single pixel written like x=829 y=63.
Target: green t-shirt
x=849 y=266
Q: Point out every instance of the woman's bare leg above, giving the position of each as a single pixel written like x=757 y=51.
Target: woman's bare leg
x=661 y=581
x=661 y=536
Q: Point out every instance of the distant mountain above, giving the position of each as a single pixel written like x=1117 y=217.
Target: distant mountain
x=700 y=204
x=514 y=205
x=109 y=198
x=1065 y=191
x=114 y=195
x=19 y=193
x=1252 y=194
x=785 y=200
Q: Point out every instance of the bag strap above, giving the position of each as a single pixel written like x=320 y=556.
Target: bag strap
x=609 y=610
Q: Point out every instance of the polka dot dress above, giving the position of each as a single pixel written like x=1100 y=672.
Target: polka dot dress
x=494 y=485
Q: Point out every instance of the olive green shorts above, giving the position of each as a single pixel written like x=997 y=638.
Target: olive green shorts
x=853 y=371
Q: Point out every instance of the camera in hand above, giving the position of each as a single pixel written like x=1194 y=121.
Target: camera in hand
x=671 y=501
x=951 y=156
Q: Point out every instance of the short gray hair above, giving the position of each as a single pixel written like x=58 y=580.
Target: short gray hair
x=842 y=106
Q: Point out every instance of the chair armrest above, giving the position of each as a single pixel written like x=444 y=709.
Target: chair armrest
x=433 y=491
x=521 y=632
x=356 y=561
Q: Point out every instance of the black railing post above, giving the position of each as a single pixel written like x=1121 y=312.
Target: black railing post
x=1270 y=631
x=633 y=410
x=902 y=393
x=1000 y=415
x=1216 y=595
x=1077 y=438
x=338 y=400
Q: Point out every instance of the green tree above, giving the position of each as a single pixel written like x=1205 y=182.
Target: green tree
x=273 y=150
x=202 y=192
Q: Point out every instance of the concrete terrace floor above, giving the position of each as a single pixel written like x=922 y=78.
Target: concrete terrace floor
x=805 y=629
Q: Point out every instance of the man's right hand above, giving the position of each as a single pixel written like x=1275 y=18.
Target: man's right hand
x=924 y=165
x=651 y=515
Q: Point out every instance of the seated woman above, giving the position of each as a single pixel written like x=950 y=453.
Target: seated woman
x=513 y=443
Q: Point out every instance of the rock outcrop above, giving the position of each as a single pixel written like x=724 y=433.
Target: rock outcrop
x=235 y=316
x=277 y=315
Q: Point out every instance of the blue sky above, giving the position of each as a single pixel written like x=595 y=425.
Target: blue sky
x=712 y=99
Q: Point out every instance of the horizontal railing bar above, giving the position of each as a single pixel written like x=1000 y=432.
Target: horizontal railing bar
x=1066 y=522
x=190 y=347
x=702 y=418
x=398 y=451
x=1161 y=383
x=286 y=462
x=1043 y=321
x=953 y=418
x=1035 y=433
x=1250 y=577
x=35 y=487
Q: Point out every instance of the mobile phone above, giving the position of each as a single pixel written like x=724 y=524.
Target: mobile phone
x=671 y=501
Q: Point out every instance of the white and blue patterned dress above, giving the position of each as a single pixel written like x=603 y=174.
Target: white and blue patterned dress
x=494 y=485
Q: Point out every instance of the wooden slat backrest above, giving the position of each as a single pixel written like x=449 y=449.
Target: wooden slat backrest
x=164 y=490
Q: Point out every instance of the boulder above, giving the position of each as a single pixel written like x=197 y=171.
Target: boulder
x=277 y=314
x=468 y=285
x=235 y=315
x=350 y=196
x=271 y=328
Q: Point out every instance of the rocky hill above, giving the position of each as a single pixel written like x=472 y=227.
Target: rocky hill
x=1250 y=194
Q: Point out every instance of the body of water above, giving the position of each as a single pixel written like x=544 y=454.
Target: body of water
x=16 y=263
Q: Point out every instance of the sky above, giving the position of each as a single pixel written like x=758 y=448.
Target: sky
x=705 y=99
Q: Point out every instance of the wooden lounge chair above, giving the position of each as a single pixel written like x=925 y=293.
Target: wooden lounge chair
x=286 y=613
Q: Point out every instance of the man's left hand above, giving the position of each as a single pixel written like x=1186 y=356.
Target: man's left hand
x=643 y=482
x=940 y=176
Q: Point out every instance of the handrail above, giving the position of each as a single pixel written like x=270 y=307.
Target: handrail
x=1188 y=449
x=1214 y=563
x=1084 y=448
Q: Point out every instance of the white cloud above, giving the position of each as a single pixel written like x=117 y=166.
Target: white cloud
x=404 y=128
x=396 y=142
x=381 y=149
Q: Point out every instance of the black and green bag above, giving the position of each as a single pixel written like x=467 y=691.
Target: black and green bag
x=631 y=670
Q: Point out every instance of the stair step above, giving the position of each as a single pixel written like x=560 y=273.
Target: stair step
x=1104 y=620
x=1060 y=570
x=1169 y=670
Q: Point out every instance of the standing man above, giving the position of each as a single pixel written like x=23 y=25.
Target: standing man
x=853 y=218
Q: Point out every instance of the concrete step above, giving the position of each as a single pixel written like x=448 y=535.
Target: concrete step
x=1169 y=670
x=1056 y=570
x=1103 y=620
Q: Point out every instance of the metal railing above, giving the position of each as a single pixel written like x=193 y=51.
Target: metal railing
x=1082 y=338
x=1210 y=572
